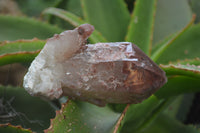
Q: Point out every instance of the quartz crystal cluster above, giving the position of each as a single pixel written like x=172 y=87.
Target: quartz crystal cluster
x=100 y=73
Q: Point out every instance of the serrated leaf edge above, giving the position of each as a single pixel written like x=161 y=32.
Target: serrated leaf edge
x=58 y=112
x=17 y=127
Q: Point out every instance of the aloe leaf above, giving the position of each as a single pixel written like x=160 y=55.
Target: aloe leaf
x=110 y=17
x=8 y=128
x=180 y=107
x=151 y=111
x=22 y=51
x=75 y=21
x=80 y=117
x=194 y=4
x=67 y=16
x=185 y=46
x=185 y=107
x=28 y=6
x=171 y=16
x=177 y=85
x=188 y=67
x=14 y=28
x=195 y=61
x=173 y=109
x=183 y=77
x=167 y=124
x=23 y=109
x=169 y=41
x=184 y=70
x=138 y=116
x=140 y=30
x=73 y=6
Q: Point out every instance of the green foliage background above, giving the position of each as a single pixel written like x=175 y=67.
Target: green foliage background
x=166 y=31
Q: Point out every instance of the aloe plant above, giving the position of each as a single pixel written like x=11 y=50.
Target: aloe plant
x=164 y=30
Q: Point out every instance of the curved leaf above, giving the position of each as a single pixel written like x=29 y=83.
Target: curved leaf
x=8 y=128
x=195 y=61
x=75 y=21
x=73 y=6
x=194 y=4
x=80 y=117
x=160 y=48
x=140 y=115
x=171 y=16
x=185 y=46
x=189 y=70
x=183 y=77
x=110 y=17
x=14 y=28
x=185 y=107
x=28 y=6
x=19 y=51
x=23 y=109
x=166 y=124
x=140 y=30
x=177 y=85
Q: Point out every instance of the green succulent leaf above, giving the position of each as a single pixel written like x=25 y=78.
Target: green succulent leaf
x=152 y=114
x=28 y=6
x=195 y=62
x=187 y=67
x=110 y=17
x=73 y=6
x=138 y=116
x=167 y=124
x=185 y=70
x=194 y=4
x=80 y=117
x=75 y=21
x=177 y=85
x=171 y=16
x=183 y=77
x=180 y=106
x=22 y=109
x=140 y=30
x=185 y=46
x=67 y=16
x=8 y=128
x=23 y=51
x=14 y=28
x=160 y=48
x=150 y=23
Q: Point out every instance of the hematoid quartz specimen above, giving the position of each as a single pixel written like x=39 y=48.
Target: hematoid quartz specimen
x=100 y=73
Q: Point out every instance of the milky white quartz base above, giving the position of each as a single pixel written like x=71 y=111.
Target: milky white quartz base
x=46 y=71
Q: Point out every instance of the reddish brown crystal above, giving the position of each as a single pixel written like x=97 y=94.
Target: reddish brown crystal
x=101 y=73
x=112 y=73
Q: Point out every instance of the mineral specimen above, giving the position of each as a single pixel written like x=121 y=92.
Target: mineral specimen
x=100 y=73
